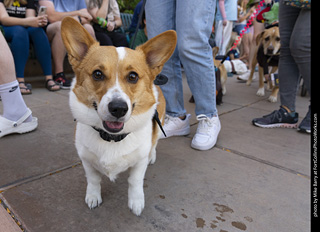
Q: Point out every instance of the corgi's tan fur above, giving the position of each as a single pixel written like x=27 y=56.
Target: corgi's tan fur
x=113 y=93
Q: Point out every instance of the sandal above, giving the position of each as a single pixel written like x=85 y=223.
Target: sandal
x=27 y=89
x=9 y=127
x=50 y=87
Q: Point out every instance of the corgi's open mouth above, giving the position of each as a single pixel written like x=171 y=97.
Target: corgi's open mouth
x=113 y=127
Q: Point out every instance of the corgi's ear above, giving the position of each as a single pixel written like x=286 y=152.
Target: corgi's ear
x=76 y=39
x=159 y=49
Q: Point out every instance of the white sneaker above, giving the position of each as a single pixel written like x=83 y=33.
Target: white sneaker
x=207 y=132
x=20 y=127
x=174 y=126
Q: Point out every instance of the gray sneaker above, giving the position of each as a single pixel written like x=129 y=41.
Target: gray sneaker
x=305 y=125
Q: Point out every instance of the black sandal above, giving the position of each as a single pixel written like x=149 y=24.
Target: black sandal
x=28 y=87
x=49 y=87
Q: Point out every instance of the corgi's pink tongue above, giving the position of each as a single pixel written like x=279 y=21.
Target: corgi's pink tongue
x=113 y=126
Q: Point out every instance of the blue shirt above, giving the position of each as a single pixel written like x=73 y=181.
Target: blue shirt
x=231 y=8
x=68 y=5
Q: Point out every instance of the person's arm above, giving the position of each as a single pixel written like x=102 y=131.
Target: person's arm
x=223 y=12
x=245 y=16
x=29 y=21
x=54 y=16
x=102 y=12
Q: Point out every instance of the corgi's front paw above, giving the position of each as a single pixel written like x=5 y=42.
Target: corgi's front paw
x=136 y=205
x=93 y=200
x=153 y=156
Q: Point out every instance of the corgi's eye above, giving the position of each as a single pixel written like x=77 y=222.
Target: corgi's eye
x=267 y=39
x=278 y=39
x=132 y=77
x=98 y=75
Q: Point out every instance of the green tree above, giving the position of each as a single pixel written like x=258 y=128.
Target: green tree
x=127 y=6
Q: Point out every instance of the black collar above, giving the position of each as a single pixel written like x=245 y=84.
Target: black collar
x=109 y=137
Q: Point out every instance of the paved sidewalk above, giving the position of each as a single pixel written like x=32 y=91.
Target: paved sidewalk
x=255 y=180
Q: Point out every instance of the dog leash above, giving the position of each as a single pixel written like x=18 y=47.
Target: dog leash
x=160 y=80
x=138 y=24
x=250 y=21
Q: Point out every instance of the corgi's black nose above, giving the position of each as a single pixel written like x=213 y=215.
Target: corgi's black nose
x=118 y=108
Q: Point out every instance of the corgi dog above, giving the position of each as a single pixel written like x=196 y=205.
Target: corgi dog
x=116 y=103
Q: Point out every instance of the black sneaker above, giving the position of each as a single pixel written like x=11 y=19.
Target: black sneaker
x=62 y=80
x=278 y=118
x=305 y=125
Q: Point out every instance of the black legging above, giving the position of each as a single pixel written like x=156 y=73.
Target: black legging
x=107 y=38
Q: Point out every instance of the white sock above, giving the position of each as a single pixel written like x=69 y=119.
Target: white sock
x=14 y=106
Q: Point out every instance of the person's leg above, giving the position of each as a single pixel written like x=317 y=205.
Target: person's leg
x=295 y=55
x=196 y=56
x=295 y=37
x=257 y=29
x=218 y=29
x=90 y=29
x=103 y=38
x=19 y=39
x=42 y=49
x=16 y=117
x=119 y=39
x=246 y=47
x=196 y=53
x=57 y=47
x=226 y=35
x=58 y=54
x=161 y=16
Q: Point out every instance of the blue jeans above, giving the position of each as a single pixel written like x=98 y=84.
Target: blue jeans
x=19 y=38
x=193 y=22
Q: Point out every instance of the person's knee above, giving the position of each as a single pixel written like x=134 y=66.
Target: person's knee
x=54 y=29
x=89 y=28
x=299 y=49
x=20 y=32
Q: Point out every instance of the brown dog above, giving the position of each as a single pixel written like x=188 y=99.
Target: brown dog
x=222 y=69
x=116 y=104
x=266 y=54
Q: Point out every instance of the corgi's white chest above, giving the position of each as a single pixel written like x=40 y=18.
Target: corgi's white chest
x=112 y=158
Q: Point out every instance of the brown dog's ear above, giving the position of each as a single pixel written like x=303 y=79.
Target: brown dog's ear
x=159 y=49
x=259 y=37
x=76 y=39
x=215 y=51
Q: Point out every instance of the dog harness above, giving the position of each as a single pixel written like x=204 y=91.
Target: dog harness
x=267 y=60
